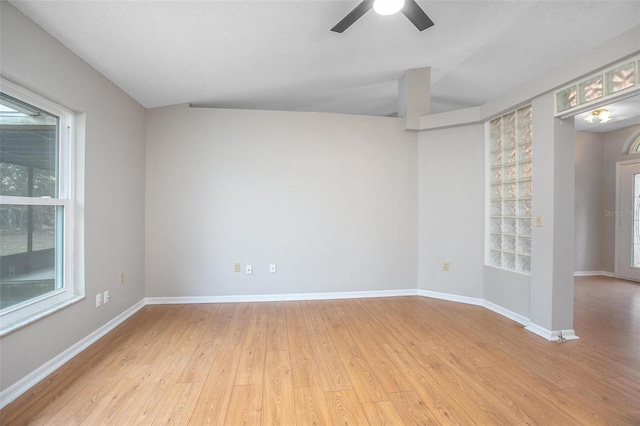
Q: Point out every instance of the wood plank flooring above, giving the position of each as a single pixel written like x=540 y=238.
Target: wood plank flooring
x=402 y=360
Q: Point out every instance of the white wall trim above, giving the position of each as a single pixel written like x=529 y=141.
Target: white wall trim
x=279 y=297
x=520 y=319
x=552 y=336
x=540 y=331
x=14 y=391
x=593 y=274
x=451 y=297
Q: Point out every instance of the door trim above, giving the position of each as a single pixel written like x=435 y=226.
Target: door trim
x=616 y=265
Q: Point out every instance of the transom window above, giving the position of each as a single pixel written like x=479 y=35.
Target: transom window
x=36 y=205
x=617 y=80
x=510 y=153
x=634 y=148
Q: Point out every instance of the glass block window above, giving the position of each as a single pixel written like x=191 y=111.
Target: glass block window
x=566 y=98
x=600 y=86
x=591 y=89
x=621 y=78
x=510 y=160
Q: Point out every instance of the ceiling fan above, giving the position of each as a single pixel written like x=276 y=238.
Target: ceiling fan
x=409 y=8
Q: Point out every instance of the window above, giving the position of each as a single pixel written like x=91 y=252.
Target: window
x=633 y=143
x=510 y=154
x=607 y=84
x=36 y=206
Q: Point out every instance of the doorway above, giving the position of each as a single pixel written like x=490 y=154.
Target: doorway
x=601 y=148
x=627 y=218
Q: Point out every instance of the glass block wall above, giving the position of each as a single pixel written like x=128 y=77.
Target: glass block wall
x=610 y=82
x=511 y=190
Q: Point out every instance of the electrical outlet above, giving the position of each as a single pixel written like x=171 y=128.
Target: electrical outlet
x=121 y=277
x=445 y=266
x=236 y=267
x=98 y=300
x=273 y=268
x=106 y=297
x=249 y=269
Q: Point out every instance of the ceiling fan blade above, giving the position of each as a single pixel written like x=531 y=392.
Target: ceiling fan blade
x=416 y=15
x=353 y=16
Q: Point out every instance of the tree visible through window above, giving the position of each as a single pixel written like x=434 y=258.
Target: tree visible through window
x=35 y=206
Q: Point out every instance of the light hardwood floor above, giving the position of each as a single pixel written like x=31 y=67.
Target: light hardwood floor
x=403 y=360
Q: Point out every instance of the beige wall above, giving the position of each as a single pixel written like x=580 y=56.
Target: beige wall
x=332 y=199
x=113 y=205
x=589 y=164
x=451 y=184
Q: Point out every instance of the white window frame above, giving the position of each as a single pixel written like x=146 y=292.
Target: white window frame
x=634 y=143
x=28 y=311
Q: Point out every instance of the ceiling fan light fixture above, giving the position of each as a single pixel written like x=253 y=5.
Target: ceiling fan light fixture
x=388 y=7
x=409 y=8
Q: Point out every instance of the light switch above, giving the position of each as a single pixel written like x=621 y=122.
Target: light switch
x=273 y=268
x=539 y=221
x=249 y=269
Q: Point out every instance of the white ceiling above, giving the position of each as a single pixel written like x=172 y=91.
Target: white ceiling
x=281 y=55
x=624 y=113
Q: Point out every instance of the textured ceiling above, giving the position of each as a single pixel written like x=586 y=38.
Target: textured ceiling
x=281 y=55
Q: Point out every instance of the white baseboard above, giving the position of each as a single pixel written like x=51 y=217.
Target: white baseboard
x=552 y=336
x=279 y=297
x=540 y=331
x=14 y=391
x=520 y=319
x=450 y=297
x=593 y=273
x=23 y=385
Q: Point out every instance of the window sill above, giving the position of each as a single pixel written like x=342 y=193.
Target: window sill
x=16 y=325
